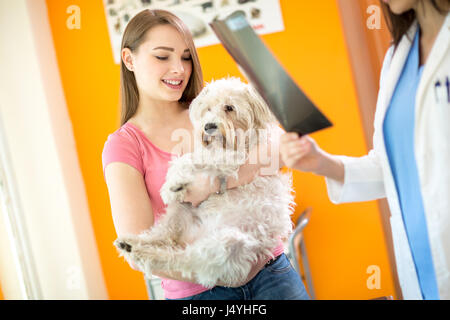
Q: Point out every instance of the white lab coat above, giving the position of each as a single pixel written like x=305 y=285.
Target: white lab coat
x=370 y=177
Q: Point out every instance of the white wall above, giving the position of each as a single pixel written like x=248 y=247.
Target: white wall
x=43 y=156
x=9 y=277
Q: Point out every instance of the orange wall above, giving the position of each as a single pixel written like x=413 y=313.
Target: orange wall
x=342 y=241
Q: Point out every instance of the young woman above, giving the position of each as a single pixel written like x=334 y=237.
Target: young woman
x=409 y=163
x=160 y=76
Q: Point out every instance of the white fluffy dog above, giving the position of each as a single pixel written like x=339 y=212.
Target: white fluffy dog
x=222 y=238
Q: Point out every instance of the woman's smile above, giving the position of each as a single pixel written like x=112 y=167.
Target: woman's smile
x=173 y=83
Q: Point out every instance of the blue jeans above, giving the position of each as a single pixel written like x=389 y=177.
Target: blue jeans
x=278 y=281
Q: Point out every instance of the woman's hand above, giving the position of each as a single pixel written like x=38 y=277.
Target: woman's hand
x=303 y=153
x=300 y=153
x=201 y=189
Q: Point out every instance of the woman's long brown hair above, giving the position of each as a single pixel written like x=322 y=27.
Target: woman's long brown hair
x=399 y=24
x=133 y=37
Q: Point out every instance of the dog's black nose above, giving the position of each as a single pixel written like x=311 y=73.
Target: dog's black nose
x=210 y=127
x=125 y=246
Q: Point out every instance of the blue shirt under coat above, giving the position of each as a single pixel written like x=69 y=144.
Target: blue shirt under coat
x=398 y=129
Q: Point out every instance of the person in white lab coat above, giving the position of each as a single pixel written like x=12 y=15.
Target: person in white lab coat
x=410 y=160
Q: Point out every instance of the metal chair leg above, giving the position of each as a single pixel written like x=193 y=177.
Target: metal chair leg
x=296 y=242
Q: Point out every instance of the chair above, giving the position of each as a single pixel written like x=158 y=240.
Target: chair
x=297 y=250
x=154 y=289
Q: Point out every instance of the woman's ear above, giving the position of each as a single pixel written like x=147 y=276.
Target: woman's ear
x=127 y=58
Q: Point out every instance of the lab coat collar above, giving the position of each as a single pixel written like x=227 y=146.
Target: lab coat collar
x=401 y=53
x=435 y=57
x=396 y=66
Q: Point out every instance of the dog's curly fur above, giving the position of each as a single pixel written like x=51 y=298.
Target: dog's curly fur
x=222 y=238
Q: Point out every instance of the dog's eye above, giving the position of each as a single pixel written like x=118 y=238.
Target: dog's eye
x=229 y=108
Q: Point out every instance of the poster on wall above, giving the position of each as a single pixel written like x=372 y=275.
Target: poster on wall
x=264 y=16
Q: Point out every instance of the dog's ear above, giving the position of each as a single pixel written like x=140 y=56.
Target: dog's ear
x=194 y=107
x=263 y=115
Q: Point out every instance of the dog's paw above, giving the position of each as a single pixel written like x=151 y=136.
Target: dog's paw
x=171 y=193
x=126 y=246
x=129 y=249
x=123 y=246
x=179 y=187
x=174 y=193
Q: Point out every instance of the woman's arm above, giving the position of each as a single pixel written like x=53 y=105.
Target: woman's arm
x=130 y=206
x=348 y=179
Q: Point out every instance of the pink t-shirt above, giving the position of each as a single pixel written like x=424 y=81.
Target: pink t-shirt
x=130 y=145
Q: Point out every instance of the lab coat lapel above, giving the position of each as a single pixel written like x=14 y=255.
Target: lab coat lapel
x=396 y=67
x=387 y=88
x=434 y=59
x=408 y=280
